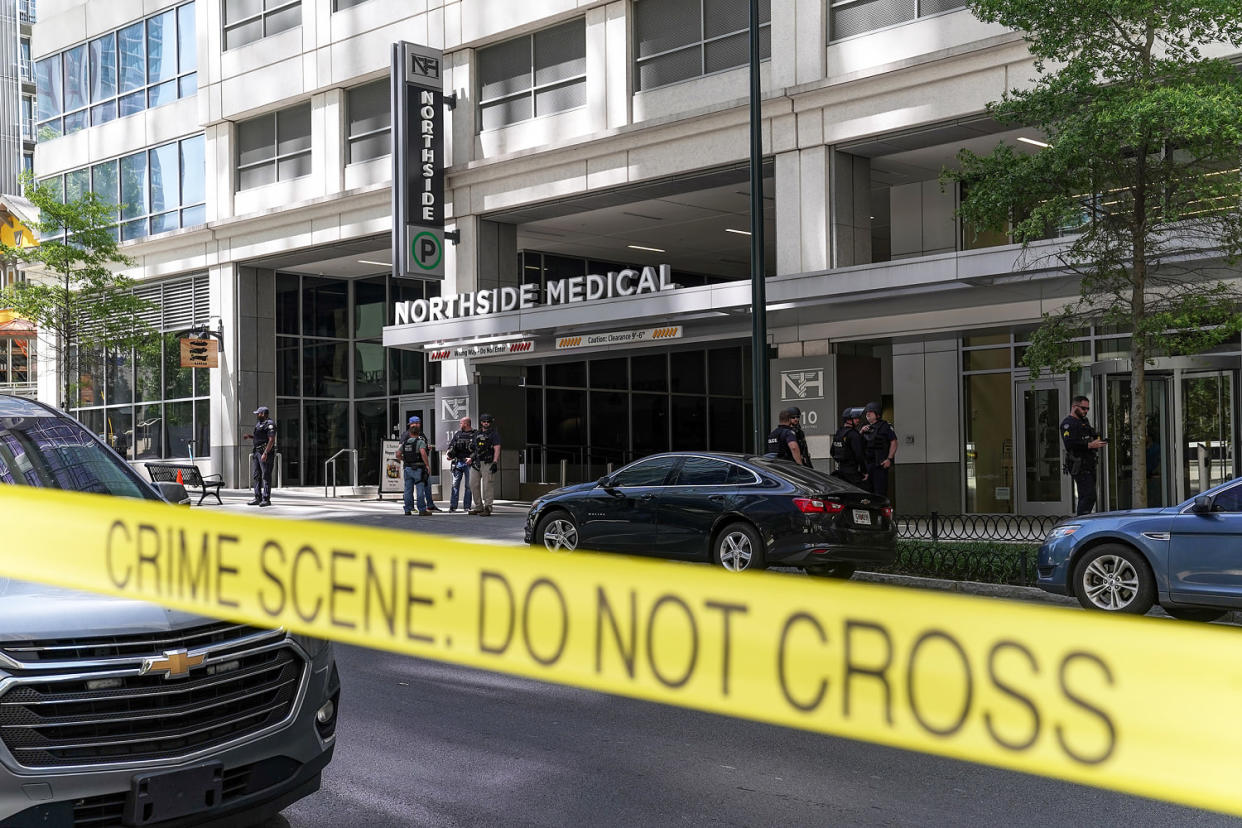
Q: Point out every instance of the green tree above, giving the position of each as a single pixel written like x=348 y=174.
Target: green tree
x=75 y=296
x=1140 y=174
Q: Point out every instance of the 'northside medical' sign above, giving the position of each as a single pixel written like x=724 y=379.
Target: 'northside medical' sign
x=418 y=161
x=561 y=292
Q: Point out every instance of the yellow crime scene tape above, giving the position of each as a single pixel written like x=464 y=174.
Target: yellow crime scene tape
x=1137 y=705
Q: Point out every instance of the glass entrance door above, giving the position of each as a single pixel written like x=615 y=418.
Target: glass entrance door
x=423 y=406
x=1158 y=439
x=1207 y=442
x=1042 y=487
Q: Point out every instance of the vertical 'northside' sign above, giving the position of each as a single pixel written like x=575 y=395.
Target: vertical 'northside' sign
x=418 y=161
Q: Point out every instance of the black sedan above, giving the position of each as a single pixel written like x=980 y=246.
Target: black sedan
x=740 y=511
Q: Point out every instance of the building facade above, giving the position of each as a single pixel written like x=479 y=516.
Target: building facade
x=596 y=299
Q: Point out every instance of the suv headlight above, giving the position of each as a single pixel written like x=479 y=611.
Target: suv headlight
x=1063 y=531
x=313 y=646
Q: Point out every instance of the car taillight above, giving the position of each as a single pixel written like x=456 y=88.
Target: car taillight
x=887 y=511
x=815 y=506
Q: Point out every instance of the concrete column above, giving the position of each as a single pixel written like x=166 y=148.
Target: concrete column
x=927 y=417
x=328 y=138
x=255 y=356
x=802 y=211
x=851 y=209
x=617 y=64
x=799 y=42
x=462 y=127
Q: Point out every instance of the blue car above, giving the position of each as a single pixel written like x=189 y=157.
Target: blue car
x=1187 y=558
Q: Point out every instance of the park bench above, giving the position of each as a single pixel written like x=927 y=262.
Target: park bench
x=190 y=476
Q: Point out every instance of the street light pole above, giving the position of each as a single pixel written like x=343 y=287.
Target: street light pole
x=758 y=290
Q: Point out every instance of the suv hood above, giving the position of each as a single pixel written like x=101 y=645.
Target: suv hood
x=30 y=611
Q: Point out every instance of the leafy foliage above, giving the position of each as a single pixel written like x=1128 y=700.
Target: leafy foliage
x=78 y=301
x=1140 y=176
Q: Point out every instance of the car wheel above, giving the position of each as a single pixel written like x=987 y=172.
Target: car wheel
x=557 y=531
x=841 y=571
x=739 y=548
x=1203 y=614
x=1114 y=578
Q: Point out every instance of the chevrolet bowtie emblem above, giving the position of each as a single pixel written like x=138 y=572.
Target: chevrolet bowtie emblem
x=173 y=663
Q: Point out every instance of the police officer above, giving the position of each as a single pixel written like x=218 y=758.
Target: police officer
x=847 y=449
x=484 y=463
x=262 y=457
x=795 y=422
x=413 y=455
x=880 y=444
x=461 y=448
x=1082 y=445
x=783 y=440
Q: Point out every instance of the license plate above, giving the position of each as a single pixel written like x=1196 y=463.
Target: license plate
x=155 y=797
x=862 y=517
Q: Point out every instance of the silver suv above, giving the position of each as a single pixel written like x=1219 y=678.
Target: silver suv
x=116 y=712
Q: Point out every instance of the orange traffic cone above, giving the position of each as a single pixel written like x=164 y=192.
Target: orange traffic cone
x=179 y=480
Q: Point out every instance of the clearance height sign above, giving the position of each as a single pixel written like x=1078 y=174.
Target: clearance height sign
x=1083 y=697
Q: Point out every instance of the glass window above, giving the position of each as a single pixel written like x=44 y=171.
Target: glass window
x=77 y=81
x=179 y=431
x=571 y=374
x=989 y=442
x=57 y=453
x=724 y=368
x=131 y=43
x=645 y=473
x=1229 y=500
x=649 y=373
x=325 y=307
x=532 y=76
x=326 y=369
x=369 y=380
x=165 y=173
x=370 y=308
x=50 y=96
x=162 y=46
x=676 y=40
x=610 y=373
x=103 y=67
x=703 y=471
x=851 y=17
x=246 y=21
x=689 y=422
x=274 y=147
x=988 y=359
x=687 y=373
x=370 y=122
x=650 y=423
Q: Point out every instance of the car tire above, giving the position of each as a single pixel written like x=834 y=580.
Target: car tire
x=557 y=532
x=739 y=548
x=840 y=571
x=1114 y=578
x=1203 y=614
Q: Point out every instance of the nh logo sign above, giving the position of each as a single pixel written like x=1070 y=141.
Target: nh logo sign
x=425 y=66
x=803 y=384
x=454 y=408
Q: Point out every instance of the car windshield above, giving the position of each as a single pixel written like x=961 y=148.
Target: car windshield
x=57 y=453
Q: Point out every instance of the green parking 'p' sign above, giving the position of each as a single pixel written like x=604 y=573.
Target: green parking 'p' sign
x=426 y=251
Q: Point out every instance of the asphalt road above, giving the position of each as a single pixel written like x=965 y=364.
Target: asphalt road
x=422 y=743
x=427 y=744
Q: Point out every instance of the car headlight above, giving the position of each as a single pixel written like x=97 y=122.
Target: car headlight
x=313 y=646
x=1062 y=531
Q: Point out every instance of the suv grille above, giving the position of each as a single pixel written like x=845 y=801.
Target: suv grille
x=102 y=710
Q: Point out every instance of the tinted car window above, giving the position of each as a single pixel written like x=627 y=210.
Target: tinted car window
x=1230 y=500
x=644 y=473
x=739 y=476
x=57 y=453
x=812 y=478
x=703 y=471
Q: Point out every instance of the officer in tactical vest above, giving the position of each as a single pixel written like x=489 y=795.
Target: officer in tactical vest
x=461 y=449
x=1082 y=445
x=262 y=457
x=847 y=449
x=783 y=440
x=484 y=463
x=413 y=455
x=795 y=422
x=880 y=444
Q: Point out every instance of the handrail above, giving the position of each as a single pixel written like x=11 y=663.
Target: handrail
x=330 y=464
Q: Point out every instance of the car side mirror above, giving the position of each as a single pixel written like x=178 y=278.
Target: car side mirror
x=605 y=481
x=1203 y=504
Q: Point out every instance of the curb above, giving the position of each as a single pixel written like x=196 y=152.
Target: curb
x=1013 y=593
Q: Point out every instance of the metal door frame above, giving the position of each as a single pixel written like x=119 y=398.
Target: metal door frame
x=426 y=402
x=1020 y=503
x=1179 y=443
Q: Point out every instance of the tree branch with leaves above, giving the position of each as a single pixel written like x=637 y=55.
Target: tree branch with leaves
x=76 y=296
x=1141 y=175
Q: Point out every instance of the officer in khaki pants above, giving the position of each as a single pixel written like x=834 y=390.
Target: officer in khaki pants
x=484 y=463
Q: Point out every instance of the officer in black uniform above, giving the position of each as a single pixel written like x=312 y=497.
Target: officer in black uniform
x=847 y=449
x=783 y=440
x=795 y=422
x=262 y=457
x=881 y=447
x=1082 y=445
